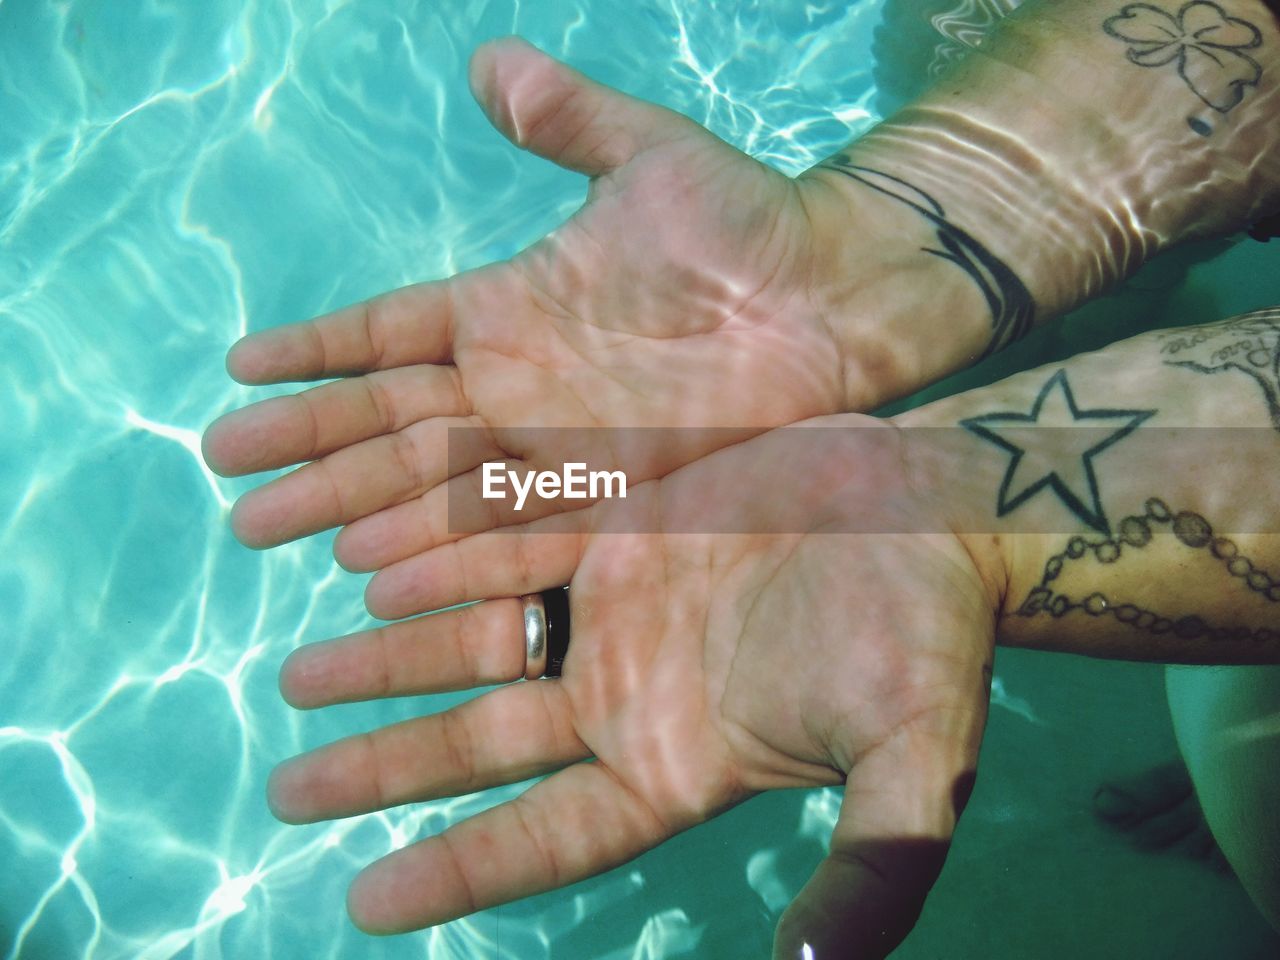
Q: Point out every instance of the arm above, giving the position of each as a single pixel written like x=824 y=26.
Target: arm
x=1080 y=139
x=1123 y=502
x=694 y=271
x=734 y=630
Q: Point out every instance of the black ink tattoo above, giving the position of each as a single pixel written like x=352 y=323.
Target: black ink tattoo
x=1135 y=533
x=1249 y=344
x=1010 y=302
x=1206 y=44
x=1069 y=471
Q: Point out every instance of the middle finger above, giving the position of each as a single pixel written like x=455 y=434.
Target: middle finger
x=504 y=736
x=460 y=649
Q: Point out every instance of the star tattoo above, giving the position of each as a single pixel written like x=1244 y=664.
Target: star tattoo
x=1060 y=459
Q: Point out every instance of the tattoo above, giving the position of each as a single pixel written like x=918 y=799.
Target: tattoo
x=1059 y=464
x=1206 y=44
x=1249 y=344
x=1010 y=302
x=1135 y=533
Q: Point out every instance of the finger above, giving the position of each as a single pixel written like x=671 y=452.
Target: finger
x=446 y=513
x=899 y=811
x=550 y=109
x=411 y=325
x=306 y=426
x=394 y=534
x=356 y=481
x=507 y=735
x=575 y=824
x=512 y=562
x=453 y=650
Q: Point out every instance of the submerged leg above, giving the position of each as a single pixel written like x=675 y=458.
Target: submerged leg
x=1227 y=720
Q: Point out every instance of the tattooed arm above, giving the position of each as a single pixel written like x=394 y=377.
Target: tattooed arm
x=1126 y=498
x=698 y=287
x=1079 y=139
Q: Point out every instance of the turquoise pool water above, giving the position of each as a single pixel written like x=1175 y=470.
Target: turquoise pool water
x=173 y=175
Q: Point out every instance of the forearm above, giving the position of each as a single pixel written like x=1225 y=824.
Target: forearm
x=1123 y=503
x=1062 y=154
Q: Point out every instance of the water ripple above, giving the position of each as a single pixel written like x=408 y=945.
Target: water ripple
x=168 y=182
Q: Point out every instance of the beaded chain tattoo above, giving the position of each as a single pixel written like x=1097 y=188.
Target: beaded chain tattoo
x=1246 y=346
x=1135 y=533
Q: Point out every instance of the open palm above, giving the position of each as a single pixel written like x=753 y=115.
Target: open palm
x=704 y=668
x=691 y=290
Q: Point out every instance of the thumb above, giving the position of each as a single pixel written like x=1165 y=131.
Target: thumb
x=899 y=810
x=550 y=109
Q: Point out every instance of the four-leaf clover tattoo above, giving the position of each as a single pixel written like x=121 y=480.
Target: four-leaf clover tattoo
x=1205 y=43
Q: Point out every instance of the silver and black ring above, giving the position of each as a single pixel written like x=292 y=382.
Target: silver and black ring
x=546 y=632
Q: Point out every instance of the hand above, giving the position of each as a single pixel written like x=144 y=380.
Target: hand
x=697 y=287
x=703 y=669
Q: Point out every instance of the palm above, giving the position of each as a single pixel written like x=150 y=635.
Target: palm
x=669 y=300
x=678 y=297
x=704 y=668
x=765 y=640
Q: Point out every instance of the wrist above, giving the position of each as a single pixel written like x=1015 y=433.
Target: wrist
x=938 y=462
x=901 y=318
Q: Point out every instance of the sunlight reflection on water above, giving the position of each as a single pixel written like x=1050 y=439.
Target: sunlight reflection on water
x=167 y=182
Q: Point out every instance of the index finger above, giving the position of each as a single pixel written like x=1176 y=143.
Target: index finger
x=411 y=325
